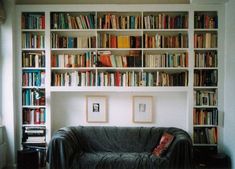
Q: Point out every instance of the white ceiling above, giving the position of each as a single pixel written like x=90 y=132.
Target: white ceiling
x=102 y=1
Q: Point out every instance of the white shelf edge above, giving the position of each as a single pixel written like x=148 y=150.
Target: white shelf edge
x=118 y=89
x=166 y=30
x=204 y=125
x=73 y=49
x=205 y=29
x=33 y=87
x=119 y=30
x=204 y=49
x=119 y=68
x=33 y=125
x=32 y=30
x=205 y=87
x=166 y=49
x=205 y=68
x=33 y=68
x=73 y=30
x=117 y=49
x=33 y=49
x=205 y=106
x=32 y=107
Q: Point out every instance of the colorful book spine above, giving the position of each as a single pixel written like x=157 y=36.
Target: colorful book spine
x=166 y=21
x=62 y=20
x=33 y=21
x=60 y=41
x=165 y=41
x=75 y=78
x=33 y=40
x=33 y=78
x=33 y=97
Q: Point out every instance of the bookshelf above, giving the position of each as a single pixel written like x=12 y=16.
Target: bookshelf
x=119 y=49
x=205 y=111
x=33 y=73
x=161 y=50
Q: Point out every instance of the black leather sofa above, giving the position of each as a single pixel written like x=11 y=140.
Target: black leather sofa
x=93 y=147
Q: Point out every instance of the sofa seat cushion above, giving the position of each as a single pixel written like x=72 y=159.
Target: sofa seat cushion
x=115 y=160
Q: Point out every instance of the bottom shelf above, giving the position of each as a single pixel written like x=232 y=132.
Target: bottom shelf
x=31 y=158
x=205 y=136
x=211 y=159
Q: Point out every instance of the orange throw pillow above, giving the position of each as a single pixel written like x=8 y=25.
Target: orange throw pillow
x=165 y=142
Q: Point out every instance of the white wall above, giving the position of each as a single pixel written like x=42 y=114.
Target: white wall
x=229 y=103
x=7 y=65
x=170 y=109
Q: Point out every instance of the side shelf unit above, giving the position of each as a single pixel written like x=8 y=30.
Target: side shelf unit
x=205 y=111
x=33 y=73
x=119 y=49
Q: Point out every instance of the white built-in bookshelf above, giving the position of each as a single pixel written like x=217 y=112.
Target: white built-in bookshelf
x=205 y=111
x=144 y=49
x=33 y=73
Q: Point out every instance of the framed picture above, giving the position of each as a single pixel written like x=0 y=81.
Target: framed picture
x=142 y=109
x=96 y=109
x=205 y=99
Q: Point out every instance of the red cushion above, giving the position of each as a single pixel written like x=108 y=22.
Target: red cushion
x=165 y=142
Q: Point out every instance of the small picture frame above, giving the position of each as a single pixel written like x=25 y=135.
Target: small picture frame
x=205 y=100
x=142 y=109
x=96 y=109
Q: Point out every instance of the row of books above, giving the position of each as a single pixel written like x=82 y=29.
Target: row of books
x=205 y=40
x=205 y=77
x=205 y=135
x=132 y=78
x=74 y=78
x=205 y=116
x=107 y=59
x=34 y=116
x=112 y=21
x=33 y=78
x=166 y=21
x=128 y=78
x=205 y=98
x=165 y=41
x=33 y=97
x=205 y=21
x=33 y=40
x=64 y=20
x=107 y=40
x=205 y=59
x=60 y=41
x=87 y=59
x=33 y=59
x=166 y=60
x=33 y=21
x=34 y=135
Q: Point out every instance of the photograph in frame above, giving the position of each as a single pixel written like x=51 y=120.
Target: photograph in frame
x=96 y=109
x=142 y=109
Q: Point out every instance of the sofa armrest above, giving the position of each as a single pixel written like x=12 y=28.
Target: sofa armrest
x=62 y=148
x=180 y=152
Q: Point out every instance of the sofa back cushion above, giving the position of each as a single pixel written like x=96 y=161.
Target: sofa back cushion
x=118 y=139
